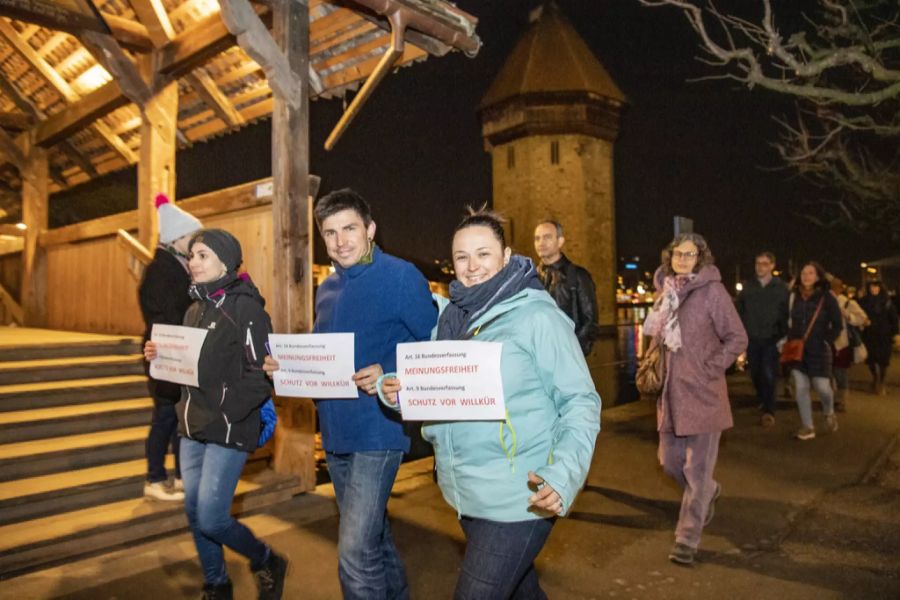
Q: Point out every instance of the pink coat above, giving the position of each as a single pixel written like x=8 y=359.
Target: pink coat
x=695 y=396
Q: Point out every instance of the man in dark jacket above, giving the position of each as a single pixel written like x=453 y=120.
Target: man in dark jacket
x=163 y=296
x=763 y=307
x=570 y=285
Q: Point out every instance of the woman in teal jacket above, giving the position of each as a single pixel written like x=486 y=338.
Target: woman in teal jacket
x=509 y=480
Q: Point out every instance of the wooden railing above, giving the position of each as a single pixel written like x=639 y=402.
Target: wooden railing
x=138 y=255
x=11 y=306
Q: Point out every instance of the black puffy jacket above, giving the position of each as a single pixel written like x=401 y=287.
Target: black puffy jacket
x=163 y=296
x=573 y=289
x=224 y=409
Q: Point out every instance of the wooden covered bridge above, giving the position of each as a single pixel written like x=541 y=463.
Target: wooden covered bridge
x=88 y=89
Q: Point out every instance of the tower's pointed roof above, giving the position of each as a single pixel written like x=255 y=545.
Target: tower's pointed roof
x=551 y=57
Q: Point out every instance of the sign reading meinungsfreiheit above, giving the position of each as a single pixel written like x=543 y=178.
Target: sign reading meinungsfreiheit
x=450 y=381
x=177 y=353
x=313 y=365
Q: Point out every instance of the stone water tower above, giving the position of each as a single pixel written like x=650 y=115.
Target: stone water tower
x=549 y=121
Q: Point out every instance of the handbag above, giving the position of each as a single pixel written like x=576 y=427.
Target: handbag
x=792 y=352
x=651 y=372
x=860 y=354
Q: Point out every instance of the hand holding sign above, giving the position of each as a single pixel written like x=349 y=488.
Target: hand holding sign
x=175 y=353
x=312 y=365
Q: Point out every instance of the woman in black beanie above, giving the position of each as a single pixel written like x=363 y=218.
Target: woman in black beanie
x=219 y=420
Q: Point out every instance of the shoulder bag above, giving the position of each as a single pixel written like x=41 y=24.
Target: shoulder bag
x=792 y=352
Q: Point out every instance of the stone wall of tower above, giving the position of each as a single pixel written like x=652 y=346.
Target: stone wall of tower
x=577 y=191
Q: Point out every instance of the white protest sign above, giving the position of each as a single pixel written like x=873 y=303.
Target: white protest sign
x=177 y=353
x=313 y=365
x=450 y=381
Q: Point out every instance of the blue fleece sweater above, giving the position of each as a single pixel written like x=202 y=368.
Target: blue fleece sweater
x=384 y=303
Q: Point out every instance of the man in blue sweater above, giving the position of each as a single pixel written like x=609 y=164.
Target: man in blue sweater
x=383 y=301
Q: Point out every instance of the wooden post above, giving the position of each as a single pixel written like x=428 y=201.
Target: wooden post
x=292 y=232
x=35 y=212
x=156 y=168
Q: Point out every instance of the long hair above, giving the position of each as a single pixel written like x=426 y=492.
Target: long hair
x=822 y=284
x=704 y=256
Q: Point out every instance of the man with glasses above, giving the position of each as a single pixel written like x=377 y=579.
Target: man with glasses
x=763 y=307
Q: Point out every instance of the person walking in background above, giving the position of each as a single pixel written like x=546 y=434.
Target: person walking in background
x=163 y=297
x=384 y=301
x=220 y=420
x=852 y=317
x=698 y=325
x=508 y=492
x=762 y=305
x=879 y=333
x=570 y=285
x=815 y=318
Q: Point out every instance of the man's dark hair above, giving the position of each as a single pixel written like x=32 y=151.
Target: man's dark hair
x=338 y=200
x=485 y=218
x=767 y=254
x=557 y=224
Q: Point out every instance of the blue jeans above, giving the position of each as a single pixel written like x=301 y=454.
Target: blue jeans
x=163 y=433
x=499 y=560
x=822 y=386
x=369 y=566
x=762 y=358
x=210 y=475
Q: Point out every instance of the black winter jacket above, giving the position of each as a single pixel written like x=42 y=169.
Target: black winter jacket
x=224 y=409
x=878 y=336
x=817 y=357
x=573 y=289
x=764 y=310
x=163 y=296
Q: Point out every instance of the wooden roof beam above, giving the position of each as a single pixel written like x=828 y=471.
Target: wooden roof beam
x=130 y=34
x=210 y=93
x=80 y=115
x=37 y=62
x=80 y=160
x=10 y=150
x=154 y=17
x=254 y=38
x=16 y=120
x=106 y=50
x=49 y=74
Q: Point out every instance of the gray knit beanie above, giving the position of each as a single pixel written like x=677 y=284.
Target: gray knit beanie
x=225 y=245
x=174 y=222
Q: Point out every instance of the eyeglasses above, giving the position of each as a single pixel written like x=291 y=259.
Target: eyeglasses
x=678 y=254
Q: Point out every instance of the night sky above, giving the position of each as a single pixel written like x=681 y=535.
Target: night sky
x=700 y=150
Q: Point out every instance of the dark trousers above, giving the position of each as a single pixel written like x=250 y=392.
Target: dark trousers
x=499 y=559
x=762 y=358
x=163 y=434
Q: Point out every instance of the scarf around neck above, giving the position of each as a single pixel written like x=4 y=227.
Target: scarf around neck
x=468 y=304
x=662 y=321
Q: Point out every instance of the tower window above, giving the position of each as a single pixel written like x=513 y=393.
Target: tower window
x=554 y=152
x=510 y=157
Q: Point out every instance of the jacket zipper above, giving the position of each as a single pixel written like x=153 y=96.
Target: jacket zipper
x=224 y=416
x=187 y=405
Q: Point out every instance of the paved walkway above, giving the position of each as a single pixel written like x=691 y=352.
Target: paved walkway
x=800 y=520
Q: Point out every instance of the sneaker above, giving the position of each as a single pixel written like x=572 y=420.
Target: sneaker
x=831 y=422
x=270 y=578
x=159 y=491
x=222 y=591
x=767 y=420
x=805 y=433
x=682 y=554
x=178 y=485
x=711 y=509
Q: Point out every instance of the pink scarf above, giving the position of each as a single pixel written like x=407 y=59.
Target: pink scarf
x=663 y=319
